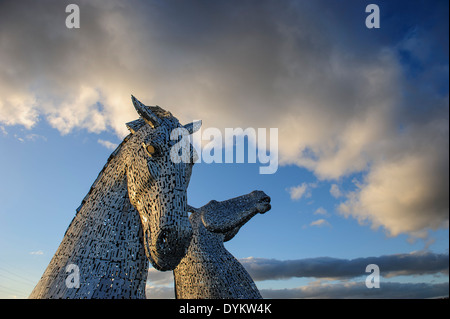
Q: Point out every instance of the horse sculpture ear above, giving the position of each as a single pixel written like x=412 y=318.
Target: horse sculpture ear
x=193 y=127
x=135 y=125
x=146 y=113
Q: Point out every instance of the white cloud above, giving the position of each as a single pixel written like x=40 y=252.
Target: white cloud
x=320 y=223
x=407 y=193
x=38 y=252
x=297 y=192
x=107 y=144
x=303 y=190
x=335 y=191
x=321 y=211
x=18 y=108
x=20 y=139
x=30 y=137
x=35 y=137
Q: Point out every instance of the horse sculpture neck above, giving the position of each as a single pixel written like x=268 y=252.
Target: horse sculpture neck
x=104 y=242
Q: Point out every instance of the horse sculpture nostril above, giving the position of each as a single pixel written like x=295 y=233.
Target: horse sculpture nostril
x=170 y=247
x=171 y=241
x=266 y=199
x=163 y=240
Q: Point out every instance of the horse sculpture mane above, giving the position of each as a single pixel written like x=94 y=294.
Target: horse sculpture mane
x=135 y=212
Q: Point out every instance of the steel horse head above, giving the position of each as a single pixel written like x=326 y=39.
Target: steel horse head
x=157 y=185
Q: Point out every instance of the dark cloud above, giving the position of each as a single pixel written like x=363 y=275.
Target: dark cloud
x=352 y=290
x=340 y=290
x=418 y=263
x=160 y=284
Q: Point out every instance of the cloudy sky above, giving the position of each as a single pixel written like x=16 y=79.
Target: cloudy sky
x=362 y=117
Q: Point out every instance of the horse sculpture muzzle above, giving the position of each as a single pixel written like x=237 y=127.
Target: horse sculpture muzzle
x=169 y=246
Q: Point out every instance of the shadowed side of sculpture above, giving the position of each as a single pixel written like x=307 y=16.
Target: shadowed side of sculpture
x=209 y=271
x=135 y=212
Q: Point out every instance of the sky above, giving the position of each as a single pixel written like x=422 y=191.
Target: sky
x=362 y=117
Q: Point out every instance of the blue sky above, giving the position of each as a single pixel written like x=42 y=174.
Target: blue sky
x=362 y=116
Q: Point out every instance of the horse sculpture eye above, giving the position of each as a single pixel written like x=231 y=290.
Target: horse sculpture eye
x=152 y=151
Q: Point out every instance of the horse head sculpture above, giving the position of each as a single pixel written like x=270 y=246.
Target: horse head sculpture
x=157 y=185
x=135 y=212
